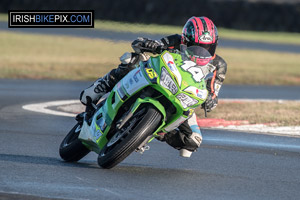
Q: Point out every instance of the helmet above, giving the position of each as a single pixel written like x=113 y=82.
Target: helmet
x=200 y=31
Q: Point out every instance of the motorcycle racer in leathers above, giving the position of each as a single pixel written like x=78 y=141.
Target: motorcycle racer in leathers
x=198 y=31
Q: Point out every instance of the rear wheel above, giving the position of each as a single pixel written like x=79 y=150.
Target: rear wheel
x=141 y=125
x=71 y=148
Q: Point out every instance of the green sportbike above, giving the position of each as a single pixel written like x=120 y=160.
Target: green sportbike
x=157 y=96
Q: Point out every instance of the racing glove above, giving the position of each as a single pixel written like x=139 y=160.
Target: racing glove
x=148 y=45
x=211 y=102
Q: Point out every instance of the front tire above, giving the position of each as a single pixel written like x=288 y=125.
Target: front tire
x=71 y=148
x=140 y=127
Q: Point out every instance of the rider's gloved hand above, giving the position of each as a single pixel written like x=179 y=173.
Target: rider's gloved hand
x=211 y=102
x=153 y=46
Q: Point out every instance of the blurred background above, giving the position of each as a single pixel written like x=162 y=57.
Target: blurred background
x=259 y=40
x=263 y=15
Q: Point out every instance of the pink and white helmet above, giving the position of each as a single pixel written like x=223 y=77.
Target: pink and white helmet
x=200 y=31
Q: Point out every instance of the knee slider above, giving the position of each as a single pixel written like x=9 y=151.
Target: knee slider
x=197 y=138
x=193 y=141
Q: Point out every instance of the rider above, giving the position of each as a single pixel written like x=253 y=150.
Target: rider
x=199 y=31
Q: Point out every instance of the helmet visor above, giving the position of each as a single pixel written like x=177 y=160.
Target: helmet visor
x=211 y=48
x=197 y=54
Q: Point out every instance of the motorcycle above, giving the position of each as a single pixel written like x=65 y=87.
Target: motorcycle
x=157 y=96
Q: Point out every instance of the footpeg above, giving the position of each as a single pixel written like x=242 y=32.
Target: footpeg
x=143 y=149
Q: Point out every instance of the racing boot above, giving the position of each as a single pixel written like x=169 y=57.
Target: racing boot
x=97 y=89
x=186 y=138
x=107 y=82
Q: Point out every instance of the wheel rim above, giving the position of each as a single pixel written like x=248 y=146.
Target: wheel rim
x=122 y=134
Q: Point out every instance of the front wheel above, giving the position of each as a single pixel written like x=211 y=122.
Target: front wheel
x=71 y=148
x=141 y=125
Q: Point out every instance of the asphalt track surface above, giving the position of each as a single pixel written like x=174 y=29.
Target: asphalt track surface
x=96 y=33
x=229 y=165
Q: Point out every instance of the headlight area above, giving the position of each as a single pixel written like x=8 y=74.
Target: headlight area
x=167 y=82
x=186 y=100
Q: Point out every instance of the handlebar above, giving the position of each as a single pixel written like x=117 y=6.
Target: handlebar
x=158 y=50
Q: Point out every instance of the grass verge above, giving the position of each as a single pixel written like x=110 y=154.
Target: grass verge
x=58 y=57
x=51 y=57
x=3 y=17
x=271 y=37
x=286 y=113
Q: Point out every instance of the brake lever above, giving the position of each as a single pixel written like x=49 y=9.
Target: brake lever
x=205 y=110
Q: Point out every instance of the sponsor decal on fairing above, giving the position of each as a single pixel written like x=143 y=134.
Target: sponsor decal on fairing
x=140 y=81
x=171 y=64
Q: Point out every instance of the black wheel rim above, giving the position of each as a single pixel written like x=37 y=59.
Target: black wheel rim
x=129 y=126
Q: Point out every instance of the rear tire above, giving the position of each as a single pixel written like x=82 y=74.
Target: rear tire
x=71 y=148
x=143 y=126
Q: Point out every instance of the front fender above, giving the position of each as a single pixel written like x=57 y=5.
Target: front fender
x=155 y=103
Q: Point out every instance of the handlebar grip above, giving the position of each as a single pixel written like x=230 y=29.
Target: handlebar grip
x=160 y=49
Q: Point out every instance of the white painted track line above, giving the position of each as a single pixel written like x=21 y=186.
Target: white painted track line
x=257 y=128
x=43 y=107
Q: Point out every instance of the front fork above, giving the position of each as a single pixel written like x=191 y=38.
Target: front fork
x=148 y=100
